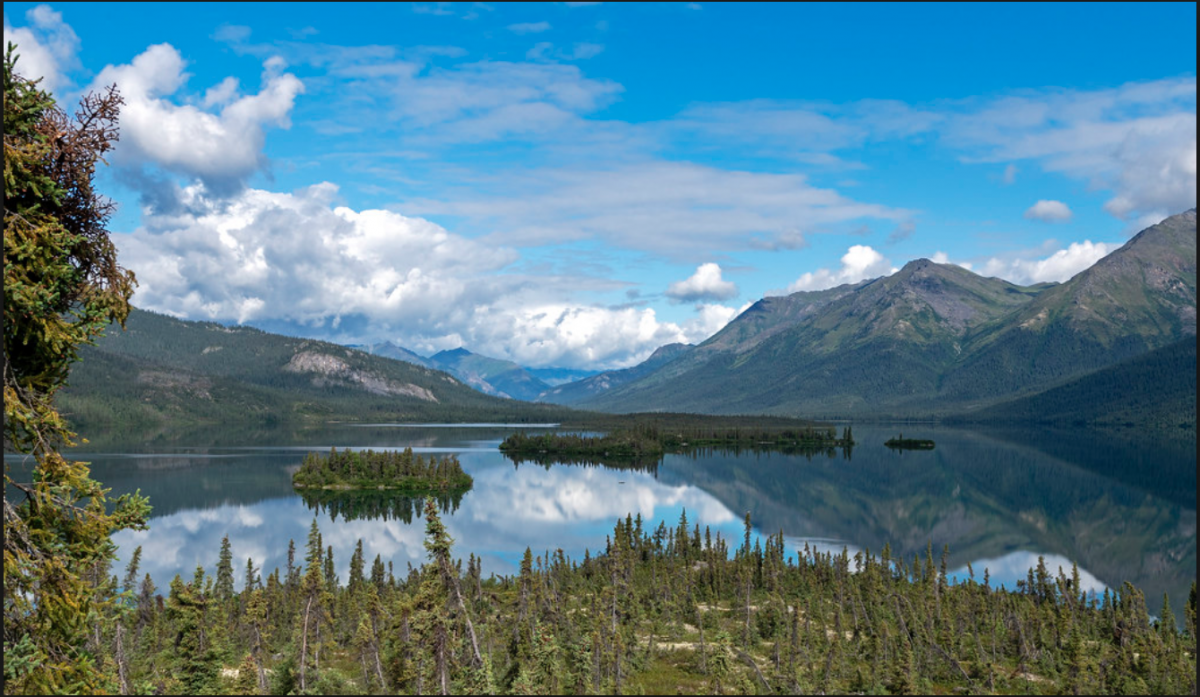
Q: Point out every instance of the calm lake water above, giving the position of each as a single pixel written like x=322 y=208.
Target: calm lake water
x=1122 y=509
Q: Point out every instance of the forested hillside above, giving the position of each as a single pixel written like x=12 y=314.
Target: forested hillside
x=1152 y=391
x=848 y=350
x=161 y=368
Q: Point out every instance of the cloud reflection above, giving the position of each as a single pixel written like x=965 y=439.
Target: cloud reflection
x=509 y=509
x=1005 y=571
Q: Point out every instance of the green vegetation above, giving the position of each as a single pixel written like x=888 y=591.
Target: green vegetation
x=902 y=443
x=620 y=621
x=669 y=610
x=619 y=445
x=369 y=469
x=646 y=439
x=62 y=286
x=1154 y=392
x=163 y=370
x=930 y=341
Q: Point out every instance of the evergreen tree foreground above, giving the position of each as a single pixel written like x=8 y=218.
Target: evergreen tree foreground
x=62 y=286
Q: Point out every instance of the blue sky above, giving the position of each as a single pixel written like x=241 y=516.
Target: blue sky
x=576 y=184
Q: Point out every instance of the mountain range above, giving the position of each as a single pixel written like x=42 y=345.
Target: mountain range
x=1113 y=345
x=493 y=376
x=930 y=340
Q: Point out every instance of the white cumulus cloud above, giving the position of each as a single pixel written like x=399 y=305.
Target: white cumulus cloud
x=298 y=263
x=1058 y=267
x=940 y=257
x=221 y=149
x=705 y=284
x=1049 y=212
x=48 y=47
x=860 y=262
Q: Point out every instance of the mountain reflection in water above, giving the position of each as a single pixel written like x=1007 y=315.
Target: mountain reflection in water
x=1122 y=510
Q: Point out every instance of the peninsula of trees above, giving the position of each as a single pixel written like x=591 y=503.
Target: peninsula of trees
x=369 y=469
x=649 y=440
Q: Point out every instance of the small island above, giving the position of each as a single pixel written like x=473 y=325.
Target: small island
x=902 y=443
x=368 y=469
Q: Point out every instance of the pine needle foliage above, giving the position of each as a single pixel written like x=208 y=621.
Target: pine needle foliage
x=62 y=287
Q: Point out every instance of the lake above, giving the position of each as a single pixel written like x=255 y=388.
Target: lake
x=1121 y=508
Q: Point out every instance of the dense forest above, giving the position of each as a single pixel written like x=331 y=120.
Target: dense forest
x=1154 y=392
x=647 y=440
x=387 y=469
x=657 y=611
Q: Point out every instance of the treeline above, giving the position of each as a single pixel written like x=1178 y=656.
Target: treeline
x=639 y=444
x=388 y=469
x=647 y=440
x=667 y=610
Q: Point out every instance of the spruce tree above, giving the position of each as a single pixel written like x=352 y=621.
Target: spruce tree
x=62 y=287
x=224 y=586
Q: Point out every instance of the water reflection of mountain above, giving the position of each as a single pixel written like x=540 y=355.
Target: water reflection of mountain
x=1162 y=466
x=982 y=496
x=374 y=505
x=314 y=435
x=192 y=480
x=650 y=466
x=1124 y=510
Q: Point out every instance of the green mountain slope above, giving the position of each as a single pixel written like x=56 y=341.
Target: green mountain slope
x=1140 y=297
x=845 y=350
x=163 y=369
x=1154 y=390
x=931 y=339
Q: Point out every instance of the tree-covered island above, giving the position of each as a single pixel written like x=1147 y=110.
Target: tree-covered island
x=389 y=469
x=902 y=443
